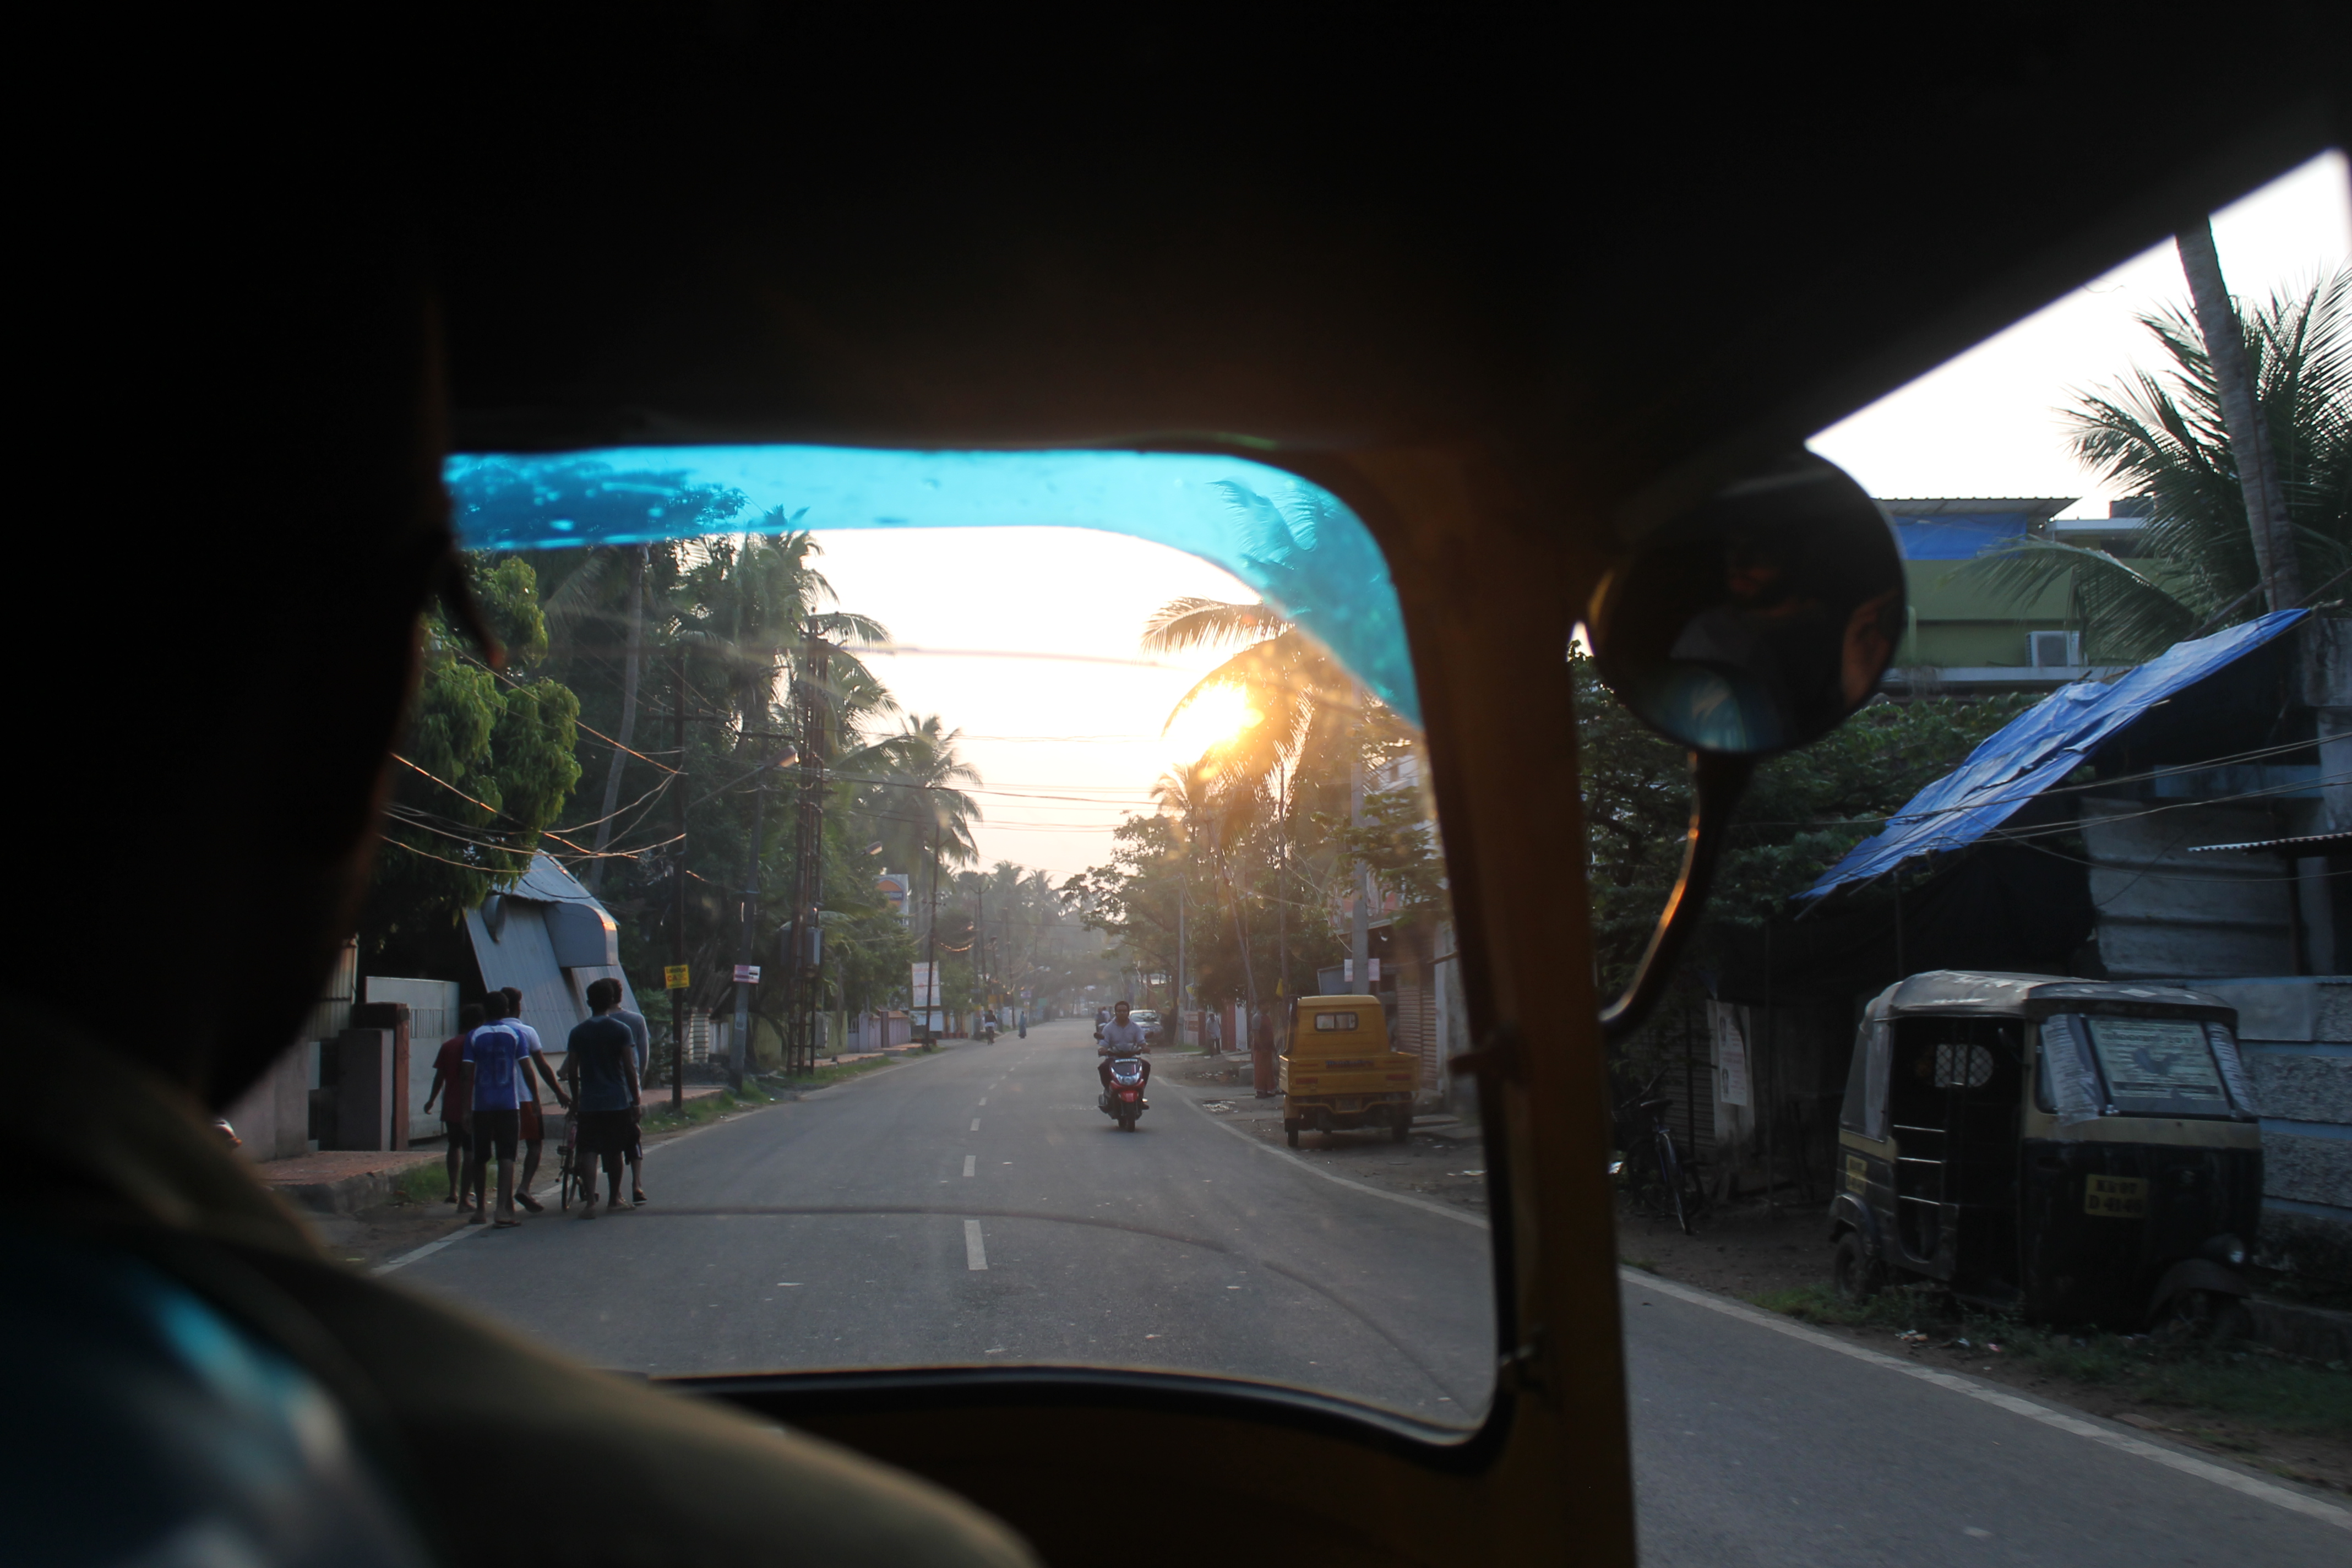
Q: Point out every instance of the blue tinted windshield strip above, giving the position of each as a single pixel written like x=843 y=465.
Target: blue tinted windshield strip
x=1294 y=542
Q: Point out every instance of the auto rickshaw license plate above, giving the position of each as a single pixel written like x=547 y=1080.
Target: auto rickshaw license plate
x=2117 y=1197
x=1351 y=1102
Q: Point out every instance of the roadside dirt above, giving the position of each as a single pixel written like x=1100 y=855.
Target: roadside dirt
x=1443 y=1161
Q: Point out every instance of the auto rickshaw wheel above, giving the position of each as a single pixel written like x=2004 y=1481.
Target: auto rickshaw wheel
x=2203 y=1317
x=1854 y=1274
x=1290 y=1131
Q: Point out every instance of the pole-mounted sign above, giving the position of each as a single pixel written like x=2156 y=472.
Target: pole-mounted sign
x=747 y=975
x=674 y=977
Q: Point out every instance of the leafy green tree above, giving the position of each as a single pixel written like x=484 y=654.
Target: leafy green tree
x=2162 y=435
x=1803 y=811
x=486 y=767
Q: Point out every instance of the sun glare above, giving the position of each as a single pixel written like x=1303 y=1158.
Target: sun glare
x=1216 y=717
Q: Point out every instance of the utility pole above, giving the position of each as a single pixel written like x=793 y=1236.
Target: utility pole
x=1183 y=897
x=678 y=992
x=632 y=659
x=2241 y=416
x=740 y=1048
x=930 y=1000
x=804 y=977
x=1359 y=945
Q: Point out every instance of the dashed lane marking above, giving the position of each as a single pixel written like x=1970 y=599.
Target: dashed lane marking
x=975 y=1252
x=970 y=1161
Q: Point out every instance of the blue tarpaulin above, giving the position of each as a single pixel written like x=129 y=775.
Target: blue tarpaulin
x=2036 y=749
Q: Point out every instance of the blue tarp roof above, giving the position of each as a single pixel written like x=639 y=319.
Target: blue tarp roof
x=2036 y=749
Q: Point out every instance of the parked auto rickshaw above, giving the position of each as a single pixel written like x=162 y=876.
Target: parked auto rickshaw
x=2067 y=1150
x=1339 y=1071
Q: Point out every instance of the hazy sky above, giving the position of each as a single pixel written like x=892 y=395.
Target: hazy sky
x=1012 y=620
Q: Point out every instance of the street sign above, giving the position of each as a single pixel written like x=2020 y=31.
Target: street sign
x=926 y=987
x=674 y=977
x=747 y=975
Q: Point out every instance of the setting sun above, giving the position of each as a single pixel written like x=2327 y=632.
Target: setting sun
x=1216 y=717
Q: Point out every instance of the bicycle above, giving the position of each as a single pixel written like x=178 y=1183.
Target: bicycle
x=573 y=1179
x=1653 y=1171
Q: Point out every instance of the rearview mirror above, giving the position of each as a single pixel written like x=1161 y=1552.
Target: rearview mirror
x=1758 y=620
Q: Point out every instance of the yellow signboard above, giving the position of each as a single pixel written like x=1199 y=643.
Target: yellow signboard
x=2117 y=1197
x=674 y=977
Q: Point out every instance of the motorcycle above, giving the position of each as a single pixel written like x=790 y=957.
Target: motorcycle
x=1123 y=1101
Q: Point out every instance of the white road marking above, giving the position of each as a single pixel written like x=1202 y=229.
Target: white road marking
x=975 y=1255
x=983 y=1100
x=969 y=1160
x=975 y=1124
x=2218 y=1475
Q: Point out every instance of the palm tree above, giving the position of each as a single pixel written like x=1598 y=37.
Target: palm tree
x=1302 y=695
x=2165 y=438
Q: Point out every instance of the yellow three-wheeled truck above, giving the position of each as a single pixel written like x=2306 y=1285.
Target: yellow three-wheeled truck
x=1338 y=1071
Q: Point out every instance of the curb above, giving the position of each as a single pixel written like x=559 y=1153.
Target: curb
x=347 y=1194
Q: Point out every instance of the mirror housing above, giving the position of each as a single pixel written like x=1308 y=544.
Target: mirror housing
x=1756 y=622
x=1760 y=619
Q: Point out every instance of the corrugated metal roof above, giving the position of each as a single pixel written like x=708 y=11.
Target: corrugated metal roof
x=2309 y=844
x=1971 y=991
x=522 y=953
x=2038 y=749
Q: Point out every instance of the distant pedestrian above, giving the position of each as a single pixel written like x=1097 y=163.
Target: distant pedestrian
x=600 y=1061
x=493 y=1062
x=611 y=992
x=531 y=1125
x=1261 y=1038
x=445 y=1063
x=1216 y=1033
x=1021 y=1021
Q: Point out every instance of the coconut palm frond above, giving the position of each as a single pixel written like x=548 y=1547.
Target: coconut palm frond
x=2127 y=615
x=1180 y=626
x=848 y=624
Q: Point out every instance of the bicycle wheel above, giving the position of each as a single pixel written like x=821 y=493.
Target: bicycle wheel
x=1669 y=1175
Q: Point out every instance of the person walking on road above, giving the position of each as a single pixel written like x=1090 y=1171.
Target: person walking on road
x=1021 y=1022
x=602 y=1061
x=1216 y=1041
x=493 y=1061
x=530 y=1127
x=445 y=1063
x=640 y=1037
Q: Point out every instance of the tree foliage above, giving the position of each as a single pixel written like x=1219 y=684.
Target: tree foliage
x=487 y=766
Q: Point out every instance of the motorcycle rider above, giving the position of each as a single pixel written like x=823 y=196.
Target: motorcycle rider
x=1121 y=1038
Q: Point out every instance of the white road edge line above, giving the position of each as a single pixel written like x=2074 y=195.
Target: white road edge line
x=975 y=1254
x=2294 y=1501
x=555 y=1189
x=1404 y=1199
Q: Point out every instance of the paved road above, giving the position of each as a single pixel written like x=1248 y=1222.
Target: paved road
x=974 y=1206
x=1754 y=1447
